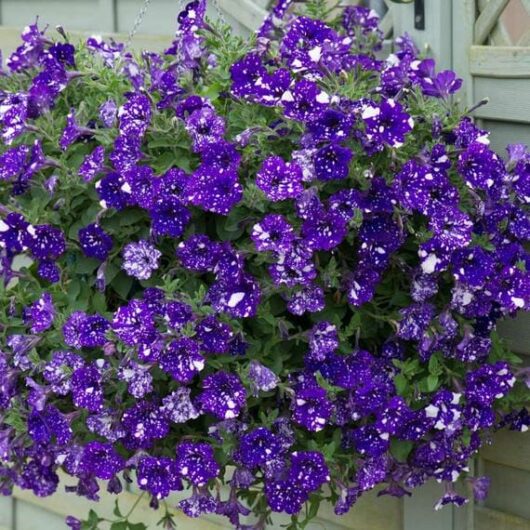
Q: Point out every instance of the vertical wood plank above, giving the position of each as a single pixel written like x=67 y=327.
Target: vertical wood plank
x=108 y=14
x=464 y=13
x=6 y=512
x=418 y=510
x=436 y=37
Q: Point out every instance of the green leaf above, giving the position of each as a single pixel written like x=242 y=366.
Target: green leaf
x=86 y=265
x=401 y=383
x=92 y=522
x=137 y=526
x=116 y=510
x=401 y=449
x=432 y=383
x=119 y=525
x=131 y=216
x=314 y=505
x=434 y=365
x=122 y=284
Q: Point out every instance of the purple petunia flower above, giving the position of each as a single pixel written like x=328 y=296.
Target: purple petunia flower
x=134 y=323
x=279 y=180
x=13 y=114
x=38 y=477
x=223 y=395
x=101 y=460
x=95 y=242
x=308 y=299
x=386 y=123
x=46 y=241
x=480 y=166
x=48 y=424
x=87 y=391
x=331 y=162
x=198 y=253
x=92 y=164
x=108 y=112
x=106 y=423
x=323 y=339
x=113 y=192
x=310 y=406
x=196 y=462
x=82 y=330
x=143 y=425
x=274 y=233
x=177 y=314
x=109 y=52
x=324 y=231
x=13 y=161
x=258 y=447
x=238 y=299
x=140 y=259
x=205 y=127
x=262 y=379
x=214 y=335
x=41 y=314
x=169 y=217
x=415 y=320
x=58 y=370
x=178 y=406
x=72 y=132
x=213 y=189
x=182 y=360
x=139 y=380
x=331 y=126
x=305 y=101
x=135 y=115
x=284 y=496
x=158 y=476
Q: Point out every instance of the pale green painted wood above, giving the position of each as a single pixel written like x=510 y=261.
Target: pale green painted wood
x=463 y=19
x=419 y=510
x=161 y=17
x=510 y=449
x=502 y=134
x=508 y=487
x=500 y=61
x=508 y=99
x=517 y=330
x=31 y=517
x=6 y=512
x=487 y=19
x=62 y=504
x=119 y=15
x=76 y=15
x=436 y=38
x=487 y=519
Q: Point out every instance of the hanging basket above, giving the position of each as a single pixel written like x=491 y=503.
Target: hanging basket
x=252 y=280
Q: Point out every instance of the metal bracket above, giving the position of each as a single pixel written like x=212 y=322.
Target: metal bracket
x=419 y=14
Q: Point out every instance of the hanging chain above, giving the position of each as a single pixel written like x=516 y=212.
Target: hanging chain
x=219 y=11
x=137 y=22
x=143 y=11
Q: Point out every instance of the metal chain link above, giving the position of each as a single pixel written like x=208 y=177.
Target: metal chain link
x=137 y=22
x=143 y=11
x=220 y=14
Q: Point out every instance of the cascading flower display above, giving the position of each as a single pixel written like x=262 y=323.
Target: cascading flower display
x=275 y=264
